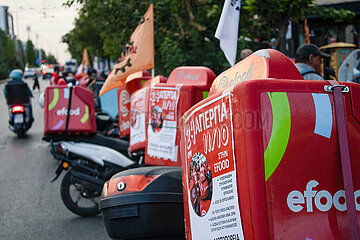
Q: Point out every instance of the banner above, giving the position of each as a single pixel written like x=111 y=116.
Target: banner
x=227 y=29
x=137 y=55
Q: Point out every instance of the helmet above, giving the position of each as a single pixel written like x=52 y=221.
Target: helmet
x=41 y=100
x=91 y=71
x=61 y=81
x=16 y=75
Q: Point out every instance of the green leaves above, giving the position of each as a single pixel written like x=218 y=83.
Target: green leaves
x=183 y=31
x=30 y=54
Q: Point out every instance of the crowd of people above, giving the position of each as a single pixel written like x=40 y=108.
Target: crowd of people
x=87 y=79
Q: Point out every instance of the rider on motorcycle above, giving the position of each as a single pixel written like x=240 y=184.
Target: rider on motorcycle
x=16 y=79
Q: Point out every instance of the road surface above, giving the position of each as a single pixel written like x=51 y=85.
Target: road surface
x=31 y=206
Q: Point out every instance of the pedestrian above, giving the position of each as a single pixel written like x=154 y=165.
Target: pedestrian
x=245 y=53
x=55 y=76
x=308 y=60
x=36 y=83
x=91 y=85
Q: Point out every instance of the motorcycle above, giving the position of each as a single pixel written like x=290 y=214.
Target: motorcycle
x=90 y=161
x=19 y=107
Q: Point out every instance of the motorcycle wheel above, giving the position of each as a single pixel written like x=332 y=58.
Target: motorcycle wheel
x=78 y=199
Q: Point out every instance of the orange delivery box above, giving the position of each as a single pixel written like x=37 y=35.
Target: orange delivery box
x=261 y=157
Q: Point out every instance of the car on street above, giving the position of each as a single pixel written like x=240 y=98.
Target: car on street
x=47 y=72
x=30 y=73
x=70 y=66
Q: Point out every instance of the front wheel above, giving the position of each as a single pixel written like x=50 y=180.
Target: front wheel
x=77 y=198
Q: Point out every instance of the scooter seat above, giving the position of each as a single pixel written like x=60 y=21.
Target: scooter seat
x=114 y=143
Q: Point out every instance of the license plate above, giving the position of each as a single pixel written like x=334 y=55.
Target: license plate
x=18 y=118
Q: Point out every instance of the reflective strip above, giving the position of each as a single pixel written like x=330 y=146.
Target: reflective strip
x=66 y=93
x=323 y=111
x=58 y=125
x=86 y=115
x=280 y=132
x=55 y=99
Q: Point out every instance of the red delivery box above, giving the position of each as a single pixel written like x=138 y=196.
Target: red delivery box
x=81 y=110
x=262 y=64
x=133 y=82
x=139 y=116
x=261 y=160
x=166 y=104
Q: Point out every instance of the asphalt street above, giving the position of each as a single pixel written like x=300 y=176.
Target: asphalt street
x=31 y=206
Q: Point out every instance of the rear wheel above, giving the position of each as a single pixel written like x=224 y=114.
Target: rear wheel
x=77 y=198
x=20 y=133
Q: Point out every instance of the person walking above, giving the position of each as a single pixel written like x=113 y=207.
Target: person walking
x=36 y=83
x=308 y=60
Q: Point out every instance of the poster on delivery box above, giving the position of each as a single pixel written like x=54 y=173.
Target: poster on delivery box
x=211 y=171
x=137 y=121
x=163 y=123
x=124 y=111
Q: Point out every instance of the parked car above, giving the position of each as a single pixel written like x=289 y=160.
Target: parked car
x=29 y=73
x=46 y=73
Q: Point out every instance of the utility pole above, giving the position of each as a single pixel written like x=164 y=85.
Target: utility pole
x=28 y=32
x=39 y=48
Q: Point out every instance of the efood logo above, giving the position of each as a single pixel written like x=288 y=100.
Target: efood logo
x=323 y=200
x=64 y=111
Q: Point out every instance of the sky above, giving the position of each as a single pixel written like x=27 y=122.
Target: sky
x=48 y=21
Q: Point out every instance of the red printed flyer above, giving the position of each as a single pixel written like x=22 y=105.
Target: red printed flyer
x=137 y=121
x=211 y=171
x=163 y=123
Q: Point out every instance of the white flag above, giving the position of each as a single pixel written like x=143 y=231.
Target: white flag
x=227 y=29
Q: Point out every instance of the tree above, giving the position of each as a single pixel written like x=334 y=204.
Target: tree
x=20 y=55
x=183 y=31
x=50 y=59
x=275 y=14
x=30 y=54
x=7 y=55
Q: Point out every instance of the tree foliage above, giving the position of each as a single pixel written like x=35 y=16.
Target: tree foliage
x=50 y=58
x=183 y=29
x=30 y=54
x=8 y=58
x=275 y=15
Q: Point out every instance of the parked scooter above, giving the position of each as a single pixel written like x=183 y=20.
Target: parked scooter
x=90 y=161
x=18 y=94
